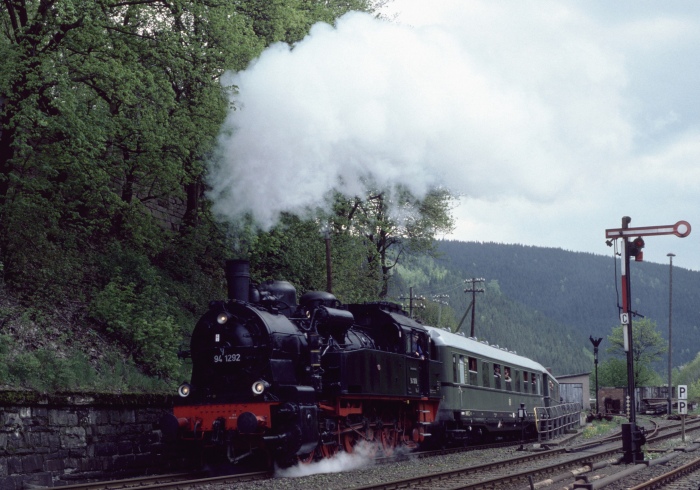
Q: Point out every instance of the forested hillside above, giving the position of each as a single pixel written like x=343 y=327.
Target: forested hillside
x=573 y=295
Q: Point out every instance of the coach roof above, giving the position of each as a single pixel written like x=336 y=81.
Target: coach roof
x=444 y=338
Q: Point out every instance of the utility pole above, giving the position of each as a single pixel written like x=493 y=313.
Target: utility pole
x=329 y=263
x=670 y=324
x=596 y=343
x=440 y=300
x=472 y=306
x=411 y=299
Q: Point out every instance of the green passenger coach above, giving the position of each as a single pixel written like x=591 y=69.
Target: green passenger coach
x=487 y=392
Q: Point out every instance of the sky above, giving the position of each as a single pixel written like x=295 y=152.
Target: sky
x=551 y=120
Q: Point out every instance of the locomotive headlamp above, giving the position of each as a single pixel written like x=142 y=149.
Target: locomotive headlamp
x=184 y=390
x=259 y=387
x=222 y=318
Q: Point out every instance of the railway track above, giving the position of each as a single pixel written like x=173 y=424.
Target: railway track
x=502 y=474
x=580 y=466
x=682 y=477
x=171 y=481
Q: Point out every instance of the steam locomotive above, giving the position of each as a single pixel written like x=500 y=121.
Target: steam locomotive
x=299 y=381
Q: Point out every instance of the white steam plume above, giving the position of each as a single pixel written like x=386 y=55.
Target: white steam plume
x=362 y=457
x=454 y=105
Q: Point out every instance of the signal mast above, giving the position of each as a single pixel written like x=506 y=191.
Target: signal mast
x=633 y=437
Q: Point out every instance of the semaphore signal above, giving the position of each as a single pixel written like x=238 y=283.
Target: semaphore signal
x=633 y=437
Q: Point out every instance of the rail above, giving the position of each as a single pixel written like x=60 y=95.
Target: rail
x=555 y=421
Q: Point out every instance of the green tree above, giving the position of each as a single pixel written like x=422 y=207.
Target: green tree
x=394 y=224
x=437 y=314
x=648 y=347
x=295 y=250
x=612 y=373
x=689 y=375
x=108 y=109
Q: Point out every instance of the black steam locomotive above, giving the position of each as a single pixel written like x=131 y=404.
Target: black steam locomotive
x=299 y=381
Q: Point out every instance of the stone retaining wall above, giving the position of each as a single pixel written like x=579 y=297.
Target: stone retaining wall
x=55 y=440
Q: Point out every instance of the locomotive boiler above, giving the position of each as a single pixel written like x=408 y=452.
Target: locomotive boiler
x=297 y=381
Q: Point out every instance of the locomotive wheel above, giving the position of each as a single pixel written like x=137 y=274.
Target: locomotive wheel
x=406 y=438
x=349 y=440
x=371 y=436
x=307 y=458
x=388 y=440
x=329 y=450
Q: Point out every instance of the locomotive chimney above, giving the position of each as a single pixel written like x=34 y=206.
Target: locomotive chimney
x=238 y=279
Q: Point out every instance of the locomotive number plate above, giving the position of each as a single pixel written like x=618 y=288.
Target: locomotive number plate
x=227 y=358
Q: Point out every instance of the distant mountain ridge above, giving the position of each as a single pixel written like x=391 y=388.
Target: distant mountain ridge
x=552 y=300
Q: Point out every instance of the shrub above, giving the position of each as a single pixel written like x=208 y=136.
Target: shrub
x=140 y=319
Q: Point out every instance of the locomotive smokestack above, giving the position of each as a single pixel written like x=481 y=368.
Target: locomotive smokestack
x=238 y=279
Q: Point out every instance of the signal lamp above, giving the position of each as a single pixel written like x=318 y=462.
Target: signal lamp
x=634 y=248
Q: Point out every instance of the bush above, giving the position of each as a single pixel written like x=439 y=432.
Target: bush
x=140 y=319
x=42 y=370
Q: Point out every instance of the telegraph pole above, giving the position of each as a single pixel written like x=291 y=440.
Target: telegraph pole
x=411 y=299
x=633 y=438
x=472 y=289
x=329 y=263
x=596 y=343
x=438 y=298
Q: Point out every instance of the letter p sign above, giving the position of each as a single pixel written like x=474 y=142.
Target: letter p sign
x=682 y=399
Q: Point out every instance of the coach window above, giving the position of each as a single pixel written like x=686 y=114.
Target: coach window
x=485 y=374
x=535 y=384
x=526 y=382
x=497 y=375
x=517 y=380
x=507 y=377
x=473 y=374
x=455 y=368
x=461 y=369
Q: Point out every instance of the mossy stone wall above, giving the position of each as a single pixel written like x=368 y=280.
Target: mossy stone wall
x=65 y=438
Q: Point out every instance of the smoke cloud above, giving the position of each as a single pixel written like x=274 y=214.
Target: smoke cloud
x=460 y=105
x=362 y=457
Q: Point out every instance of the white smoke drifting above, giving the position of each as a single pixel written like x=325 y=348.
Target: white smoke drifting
x=460 y=105
x=362 y=457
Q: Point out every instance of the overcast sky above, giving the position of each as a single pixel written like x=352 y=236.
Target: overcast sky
x=552 y=119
